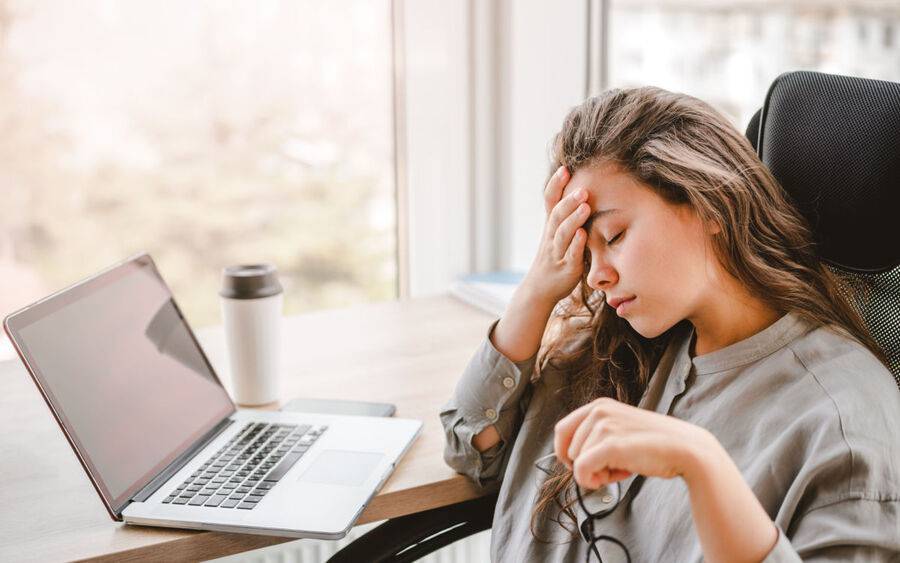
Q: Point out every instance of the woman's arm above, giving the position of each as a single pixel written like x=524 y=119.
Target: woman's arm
x=606 y=441
x=517 y=336
x=731 y=523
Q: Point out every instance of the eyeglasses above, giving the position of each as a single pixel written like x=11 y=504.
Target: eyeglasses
x=545 y=464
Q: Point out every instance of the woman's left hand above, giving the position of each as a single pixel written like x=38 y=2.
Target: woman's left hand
x=606 y=441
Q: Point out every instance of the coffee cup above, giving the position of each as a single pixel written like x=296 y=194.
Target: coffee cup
x=252 y=300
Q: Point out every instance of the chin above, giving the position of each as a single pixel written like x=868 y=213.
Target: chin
x=649 y=328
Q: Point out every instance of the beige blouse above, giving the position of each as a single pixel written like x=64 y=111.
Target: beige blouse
x=809 y=416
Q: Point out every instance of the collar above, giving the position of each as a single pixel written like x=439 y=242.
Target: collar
x=747 y=351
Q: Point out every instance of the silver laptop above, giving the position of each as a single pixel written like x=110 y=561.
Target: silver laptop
x=160 y=438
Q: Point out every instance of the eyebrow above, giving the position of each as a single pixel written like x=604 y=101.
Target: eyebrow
x=596 y=215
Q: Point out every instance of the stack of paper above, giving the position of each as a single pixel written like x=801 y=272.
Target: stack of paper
x=489 y=292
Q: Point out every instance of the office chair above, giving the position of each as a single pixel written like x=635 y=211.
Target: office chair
x=833 y=142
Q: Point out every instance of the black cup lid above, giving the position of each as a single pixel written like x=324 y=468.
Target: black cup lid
x=250 y=281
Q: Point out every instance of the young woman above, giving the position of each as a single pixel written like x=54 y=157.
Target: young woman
x=703 y=390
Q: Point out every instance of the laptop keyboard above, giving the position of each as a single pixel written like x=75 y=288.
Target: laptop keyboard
x=241 y=473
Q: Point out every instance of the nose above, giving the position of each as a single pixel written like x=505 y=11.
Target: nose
x=602 y=275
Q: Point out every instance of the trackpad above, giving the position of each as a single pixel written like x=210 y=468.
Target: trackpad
x=338 y=467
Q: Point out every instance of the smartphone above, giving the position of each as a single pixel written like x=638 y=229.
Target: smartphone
x=338 y=406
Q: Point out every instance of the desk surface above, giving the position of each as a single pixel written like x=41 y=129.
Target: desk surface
x=410 y=353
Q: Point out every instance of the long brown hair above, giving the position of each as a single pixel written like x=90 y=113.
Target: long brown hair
x=689 y=154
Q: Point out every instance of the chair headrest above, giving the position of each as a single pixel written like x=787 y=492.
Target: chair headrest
x=833 y=142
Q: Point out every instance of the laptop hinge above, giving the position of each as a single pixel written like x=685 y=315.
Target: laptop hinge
x=180 y=462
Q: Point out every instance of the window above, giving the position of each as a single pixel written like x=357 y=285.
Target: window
x=729 y=53
x=206 y=133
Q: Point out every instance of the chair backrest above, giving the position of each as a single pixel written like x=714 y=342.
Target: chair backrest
x=833 y=142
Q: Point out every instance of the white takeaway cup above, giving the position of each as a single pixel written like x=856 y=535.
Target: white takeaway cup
x=252 y=300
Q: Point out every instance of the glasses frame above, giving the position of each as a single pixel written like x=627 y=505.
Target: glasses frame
x=587 y=527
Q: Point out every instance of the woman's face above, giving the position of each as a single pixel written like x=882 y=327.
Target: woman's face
x=645 y=249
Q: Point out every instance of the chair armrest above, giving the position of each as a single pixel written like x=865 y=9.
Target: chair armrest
x=411 y=537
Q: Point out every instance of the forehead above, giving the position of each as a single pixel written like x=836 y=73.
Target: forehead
x=607 y=185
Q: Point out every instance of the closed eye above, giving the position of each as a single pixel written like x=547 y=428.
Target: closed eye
x=614 y=239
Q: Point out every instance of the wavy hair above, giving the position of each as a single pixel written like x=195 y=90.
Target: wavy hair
x=689 y=154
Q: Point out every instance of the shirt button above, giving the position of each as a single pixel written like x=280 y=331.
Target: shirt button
x=606 y=499
x=491 y=414
x=508 y=382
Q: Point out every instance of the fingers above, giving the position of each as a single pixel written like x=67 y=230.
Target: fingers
x=599 y=465
x=554 y=189
x=568 y=215
x=590 y=426
x=575 y=252
x=564 y=430
x=567 y=230
x=571 y=432
x=565 y=207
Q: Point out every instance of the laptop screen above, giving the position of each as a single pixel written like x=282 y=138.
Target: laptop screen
x=123 y=374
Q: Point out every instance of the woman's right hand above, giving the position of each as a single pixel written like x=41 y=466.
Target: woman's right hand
x=558 y=265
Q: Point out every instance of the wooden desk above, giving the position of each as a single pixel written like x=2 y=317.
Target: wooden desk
x=410 y=353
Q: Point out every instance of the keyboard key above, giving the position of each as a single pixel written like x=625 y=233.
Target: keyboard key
x=198 y=500
x=180 y=500
x=230 y=503
x=247 y=505
x=253 y=498
x=216 y=500
x=283 y=467
x=169 y=499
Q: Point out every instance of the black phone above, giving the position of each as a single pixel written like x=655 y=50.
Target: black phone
x=340 y=406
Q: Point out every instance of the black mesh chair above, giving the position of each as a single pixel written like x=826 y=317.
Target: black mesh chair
x=833 y=142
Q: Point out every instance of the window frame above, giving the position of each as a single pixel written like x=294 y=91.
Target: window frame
x=491 y=97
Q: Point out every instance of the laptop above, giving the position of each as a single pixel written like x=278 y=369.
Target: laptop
x=158 y=435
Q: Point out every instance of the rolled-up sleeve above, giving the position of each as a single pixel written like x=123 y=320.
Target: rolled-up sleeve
x=854 y=529
x=492 y=390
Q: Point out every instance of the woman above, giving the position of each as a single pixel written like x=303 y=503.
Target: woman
x=703 y=390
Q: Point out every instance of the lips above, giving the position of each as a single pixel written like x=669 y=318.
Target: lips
x=616 y=301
